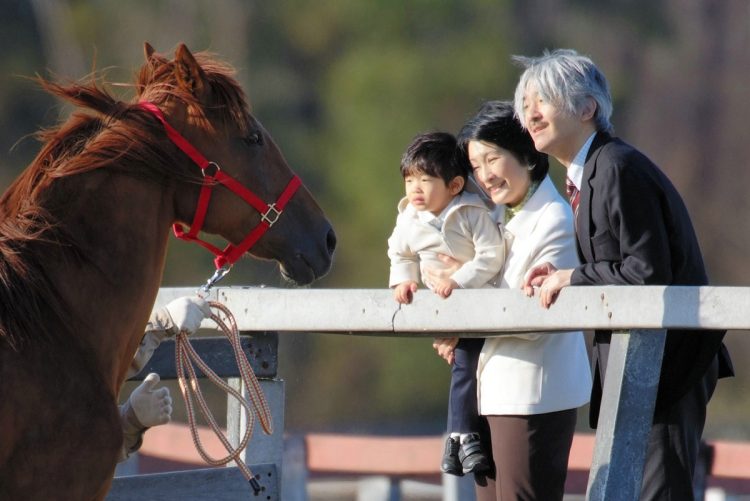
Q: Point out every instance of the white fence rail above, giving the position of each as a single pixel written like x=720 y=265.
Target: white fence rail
x=373 y=311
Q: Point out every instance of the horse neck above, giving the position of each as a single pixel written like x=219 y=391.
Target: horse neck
x=120 y=226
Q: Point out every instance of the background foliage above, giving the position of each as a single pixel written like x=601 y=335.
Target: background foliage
x=343 y=87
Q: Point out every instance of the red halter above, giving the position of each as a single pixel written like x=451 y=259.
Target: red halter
x=269 y=213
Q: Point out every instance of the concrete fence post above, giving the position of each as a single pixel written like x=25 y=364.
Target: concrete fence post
x=627 y=410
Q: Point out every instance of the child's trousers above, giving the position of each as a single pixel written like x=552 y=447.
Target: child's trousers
x=463 y=413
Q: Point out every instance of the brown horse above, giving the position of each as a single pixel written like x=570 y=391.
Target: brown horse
x=83 y=239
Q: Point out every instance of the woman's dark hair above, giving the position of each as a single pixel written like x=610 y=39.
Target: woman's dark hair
x=495 y=123
x=436 y=154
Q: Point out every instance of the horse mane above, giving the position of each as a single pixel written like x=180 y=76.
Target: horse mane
x=107 y=133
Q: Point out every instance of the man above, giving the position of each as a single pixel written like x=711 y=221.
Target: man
x=632 y=227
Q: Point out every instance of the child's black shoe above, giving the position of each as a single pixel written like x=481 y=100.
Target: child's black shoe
x=473 y=460
x=451 y=464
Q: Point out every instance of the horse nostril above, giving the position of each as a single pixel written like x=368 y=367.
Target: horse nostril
x=331 y=241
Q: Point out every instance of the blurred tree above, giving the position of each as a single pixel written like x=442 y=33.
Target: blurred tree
x=22 y=108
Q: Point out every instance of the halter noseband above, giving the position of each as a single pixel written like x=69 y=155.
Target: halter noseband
x=269 y=213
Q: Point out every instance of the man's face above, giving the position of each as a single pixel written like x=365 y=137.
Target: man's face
x=554 y=131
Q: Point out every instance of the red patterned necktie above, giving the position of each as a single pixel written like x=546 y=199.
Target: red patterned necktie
x=573 y=194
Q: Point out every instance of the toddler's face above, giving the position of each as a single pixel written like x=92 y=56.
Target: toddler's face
x=427 y=192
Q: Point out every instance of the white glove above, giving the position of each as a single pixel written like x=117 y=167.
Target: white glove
x=186 y=313
x=151 y=406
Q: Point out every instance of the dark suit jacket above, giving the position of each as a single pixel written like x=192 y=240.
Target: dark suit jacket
x=633 y=228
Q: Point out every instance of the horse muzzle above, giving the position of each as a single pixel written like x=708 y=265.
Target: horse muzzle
x=305 y=265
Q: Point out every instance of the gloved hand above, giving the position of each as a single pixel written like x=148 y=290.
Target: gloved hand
x=151 y=406
x=186 y=313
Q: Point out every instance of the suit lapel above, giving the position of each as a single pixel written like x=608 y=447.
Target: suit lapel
x=583 y=218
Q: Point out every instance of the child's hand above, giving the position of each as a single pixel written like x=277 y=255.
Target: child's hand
x=404 y=291
x=444 y=287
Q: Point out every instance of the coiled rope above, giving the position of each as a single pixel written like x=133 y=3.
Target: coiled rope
x=185 y=356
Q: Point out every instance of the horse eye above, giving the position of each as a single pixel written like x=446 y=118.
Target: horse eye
x=254 y=138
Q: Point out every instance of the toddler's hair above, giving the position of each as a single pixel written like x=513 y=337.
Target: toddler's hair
x=435 y=154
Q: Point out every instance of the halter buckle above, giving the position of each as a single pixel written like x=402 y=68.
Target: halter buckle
x=271 y=215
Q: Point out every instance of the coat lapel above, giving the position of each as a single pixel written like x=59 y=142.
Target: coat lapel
x=583 y=218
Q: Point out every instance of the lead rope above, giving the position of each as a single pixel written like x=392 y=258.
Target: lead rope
x=185 y=356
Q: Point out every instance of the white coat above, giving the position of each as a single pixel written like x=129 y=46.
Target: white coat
x=467 y=233
x=535 y=373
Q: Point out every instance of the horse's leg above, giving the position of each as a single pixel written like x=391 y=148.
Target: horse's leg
x=66 y=430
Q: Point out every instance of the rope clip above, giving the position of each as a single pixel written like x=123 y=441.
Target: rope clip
x=216 y=277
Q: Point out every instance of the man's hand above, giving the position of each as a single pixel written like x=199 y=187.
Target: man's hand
x=550 y=281
x=552 y=286
x=404 y=292
x=152 y=406
x=187 y=313
x=535 y=276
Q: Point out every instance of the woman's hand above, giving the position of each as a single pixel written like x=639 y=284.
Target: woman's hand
x=433 y=276
x=444 y=347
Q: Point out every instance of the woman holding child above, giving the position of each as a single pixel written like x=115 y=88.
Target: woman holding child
x=529 y=385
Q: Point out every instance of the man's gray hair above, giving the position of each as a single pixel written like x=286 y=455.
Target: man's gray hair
x=566 y=79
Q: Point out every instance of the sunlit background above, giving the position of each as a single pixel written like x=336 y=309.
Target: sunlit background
x=343 y=86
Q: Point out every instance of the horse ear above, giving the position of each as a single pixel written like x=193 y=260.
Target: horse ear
x=148 y=51
x=147 y=70
x=189 y=74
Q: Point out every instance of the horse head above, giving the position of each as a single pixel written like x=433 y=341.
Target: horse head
x=201 y=101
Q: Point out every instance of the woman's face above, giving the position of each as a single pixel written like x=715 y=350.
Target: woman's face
x=499 y=173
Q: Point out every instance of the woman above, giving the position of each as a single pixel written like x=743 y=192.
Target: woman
x=529 y=385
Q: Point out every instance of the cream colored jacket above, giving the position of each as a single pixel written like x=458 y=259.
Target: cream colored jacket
x=465 y=230
x=535 y=373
